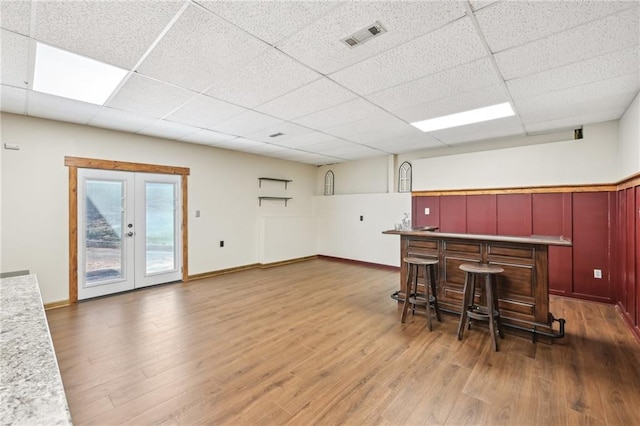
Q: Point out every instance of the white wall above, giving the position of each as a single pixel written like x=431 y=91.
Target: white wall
x=223 y=185
x=368 y=176
x=590 y=160
x=284 y=238
x=629 y=140
x=342 y=234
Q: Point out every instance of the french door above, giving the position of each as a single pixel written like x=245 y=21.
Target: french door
x=128 y=231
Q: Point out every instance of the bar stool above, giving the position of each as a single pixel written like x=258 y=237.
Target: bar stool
x=429 y=298
x=471 y=310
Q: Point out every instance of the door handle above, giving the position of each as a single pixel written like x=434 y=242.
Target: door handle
x=129 y=234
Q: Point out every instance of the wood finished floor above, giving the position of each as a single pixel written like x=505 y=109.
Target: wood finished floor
x=320 y=342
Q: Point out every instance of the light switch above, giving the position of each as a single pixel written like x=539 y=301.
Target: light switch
x=597 y=273
x=426 y=210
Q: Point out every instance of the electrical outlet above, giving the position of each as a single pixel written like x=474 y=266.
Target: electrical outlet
x=221 y=243
x=597 y=273
x=361 y=218
x=426 y=210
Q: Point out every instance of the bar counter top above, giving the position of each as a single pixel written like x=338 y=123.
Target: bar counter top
x=30 y=385
x=534 y=239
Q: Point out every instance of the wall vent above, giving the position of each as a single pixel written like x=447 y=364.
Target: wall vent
x=367 y=33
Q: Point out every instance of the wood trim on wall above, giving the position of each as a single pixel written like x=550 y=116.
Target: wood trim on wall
x=522 y=190
x=74 y=163
x=93 y=163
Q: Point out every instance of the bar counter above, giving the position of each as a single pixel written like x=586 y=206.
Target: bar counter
x=523 y=287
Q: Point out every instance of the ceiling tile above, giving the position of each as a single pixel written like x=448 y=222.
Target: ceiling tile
x=310 y=158
x=377 y=124
x=268 y=76
x=586 y=99
x=204 y=111
x=125 y=121
x=597 y=38
x=270 y=21
x=305 y=140
x=315 y=96
x=461 y=79
x=207 y=137
x=289 y=131
x=347 y=112
x=603 y=67
x=198 y=48
x=167 y=129
x=152 y=97
x=246 y=124
x=52 y=107
x=14 y=70
x=265 y=149
x=502 y=127
x=479 y=98
x=319 y=45
x=115 y=32
x=13 y=100
x=15 y=16
x=513 y=23
x=450 y=46
x=479 y=4
x=238 y=144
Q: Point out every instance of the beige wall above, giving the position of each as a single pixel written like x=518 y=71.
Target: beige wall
x=223 y=185
x=368 y=176
x=629 y=137
x=586 y=161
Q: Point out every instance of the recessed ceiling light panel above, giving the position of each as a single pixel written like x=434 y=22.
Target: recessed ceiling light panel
x=62 y=73
x=467 y=117
x=367 y=33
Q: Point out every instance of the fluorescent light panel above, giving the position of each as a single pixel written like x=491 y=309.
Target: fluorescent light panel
x=467 y=117
x=72 y=76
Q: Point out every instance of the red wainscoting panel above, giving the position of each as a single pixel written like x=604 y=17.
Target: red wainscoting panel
x=635 y=224
x=514 y=214
x=620 y=275
x=453 y=213
x=418 y=216
x=591 y=244
x=551 y=215
x=481 y=214
x=628 y=243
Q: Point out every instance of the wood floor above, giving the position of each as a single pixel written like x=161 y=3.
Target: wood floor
x=320 y=342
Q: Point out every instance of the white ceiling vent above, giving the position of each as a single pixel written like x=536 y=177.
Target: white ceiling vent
x=367 y=33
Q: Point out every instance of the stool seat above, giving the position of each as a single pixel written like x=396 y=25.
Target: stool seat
x=490 y=311
x=481 y=268
x=420 y=261
x=429 y=298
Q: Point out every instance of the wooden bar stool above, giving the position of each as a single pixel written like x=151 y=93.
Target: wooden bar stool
x=490 y=311
x=429 y=298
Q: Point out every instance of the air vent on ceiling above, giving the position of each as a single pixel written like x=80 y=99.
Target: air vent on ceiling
x=275 y=135
x=367 y=33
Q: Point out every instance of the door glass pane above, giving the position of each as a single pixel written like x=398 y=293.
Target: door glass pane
x=160 y=227
x=104 y=217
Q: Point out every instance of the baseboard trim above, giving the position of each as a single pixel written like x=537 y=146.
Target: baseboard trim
x=628 y=320
x=360 y=262
x=287 y=262
x=248 y=267
x=54 y=305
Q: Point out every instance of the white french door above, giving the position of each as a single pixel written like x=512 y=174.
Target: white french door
x=128 y=231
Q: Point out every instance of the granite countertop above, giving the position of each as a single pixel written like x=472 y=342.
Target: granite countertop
x=31 y=389
x=534 y=239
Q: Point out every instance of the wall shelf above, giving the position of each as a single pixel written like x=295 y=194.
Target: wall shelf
x=285 y=181
x=286 y=199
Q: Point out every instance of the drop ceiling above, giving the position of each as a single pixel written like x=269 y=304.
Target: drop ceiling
x=230 y=74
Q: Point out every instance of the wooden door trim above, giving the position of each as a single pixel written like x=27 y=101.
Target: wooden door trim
x=74 y=163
